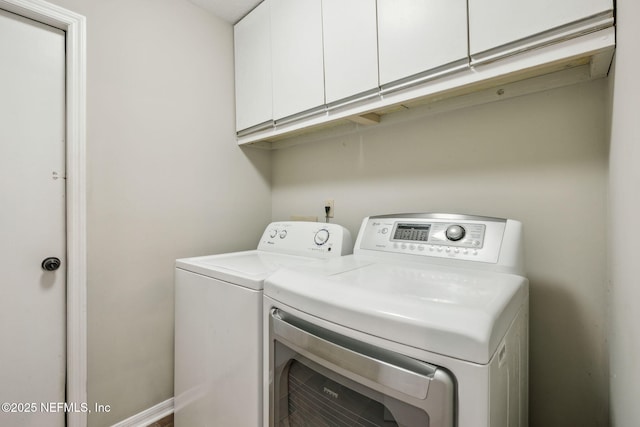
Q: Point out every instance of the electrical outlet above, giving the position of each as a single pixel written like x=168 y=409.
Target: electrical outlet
x=330 y=204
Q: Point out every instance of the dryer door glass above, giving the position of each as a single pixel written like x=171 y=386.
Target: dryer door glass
x=315 y=400
x=321 y=378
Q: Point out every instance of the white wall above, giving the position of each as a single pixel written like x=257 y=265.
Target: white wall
x=541 y=159
x=164 y=173
x=624 y=188
x=166 y=180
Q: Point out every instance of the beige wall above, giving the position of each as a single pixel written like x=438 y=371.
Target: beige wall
x=624 y=213
x=165 y=179
x=541 y=159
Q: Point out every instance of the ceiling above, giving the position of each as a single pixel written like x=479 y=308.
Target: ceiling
x=229 y=10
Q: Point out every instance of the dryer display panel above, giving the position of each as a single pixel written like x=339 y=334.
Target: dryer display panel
x=467 y=235
x=412 y=232
x=434 y=235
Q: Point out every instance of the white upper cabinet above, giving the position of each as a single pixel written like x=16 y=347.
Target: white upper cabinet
x=303 y=64
x=350 y=48
x=495 y=23
x=416 y=36
x=252 y=41
x=298 y=71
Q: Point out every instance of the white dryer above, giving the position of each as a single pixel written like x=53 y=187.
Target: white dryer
x=218 y=322
x=426 y=324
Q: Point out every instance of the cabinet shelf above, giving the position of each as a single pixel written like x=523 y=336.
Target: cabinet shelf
x=533 y=70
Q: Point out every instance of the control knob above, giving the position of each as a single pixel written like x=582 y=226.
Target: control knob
x=321 y=237
x=455 y=232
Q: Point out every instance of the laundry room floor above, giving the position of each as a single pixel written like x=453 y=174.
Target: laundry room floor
x=165 y=422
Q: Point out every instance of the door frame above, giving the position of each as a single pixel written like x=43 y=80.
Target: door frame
x=76 y=219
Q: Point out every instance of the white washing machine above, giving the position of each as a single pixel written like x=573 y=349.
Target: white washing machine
x=426 y=324
x=218 y=322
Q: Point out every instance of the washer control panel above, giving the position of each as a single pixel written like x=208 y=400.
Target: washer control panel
x=463 y=237
x=304 y=238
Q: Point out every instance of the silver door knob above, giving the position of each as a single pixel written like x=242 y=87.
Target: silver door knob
x=51 y=264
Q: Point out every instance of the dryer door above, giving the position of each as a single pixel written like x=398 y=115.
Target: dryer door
x=322 y=378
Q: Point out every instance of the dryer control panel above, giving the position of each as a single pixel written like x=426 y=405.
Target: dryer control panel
x=456 y=234
x=442 y=236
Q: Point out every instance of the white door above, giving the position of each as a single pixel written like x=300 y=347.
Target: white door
x=494 y=23
x=32 y=222
x=350 y=41
x=415 y=36
x=252 y=42
x=296 y=49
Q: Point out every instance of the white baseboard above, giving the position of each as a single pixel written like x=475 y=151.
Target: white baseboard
x=148 y=416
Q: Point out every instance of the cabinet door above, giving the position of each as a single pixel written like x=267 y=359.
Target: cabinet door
x=494 y=23
x=350 y=47
x=252 y=41
x=415 y=36
x=296 y=37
